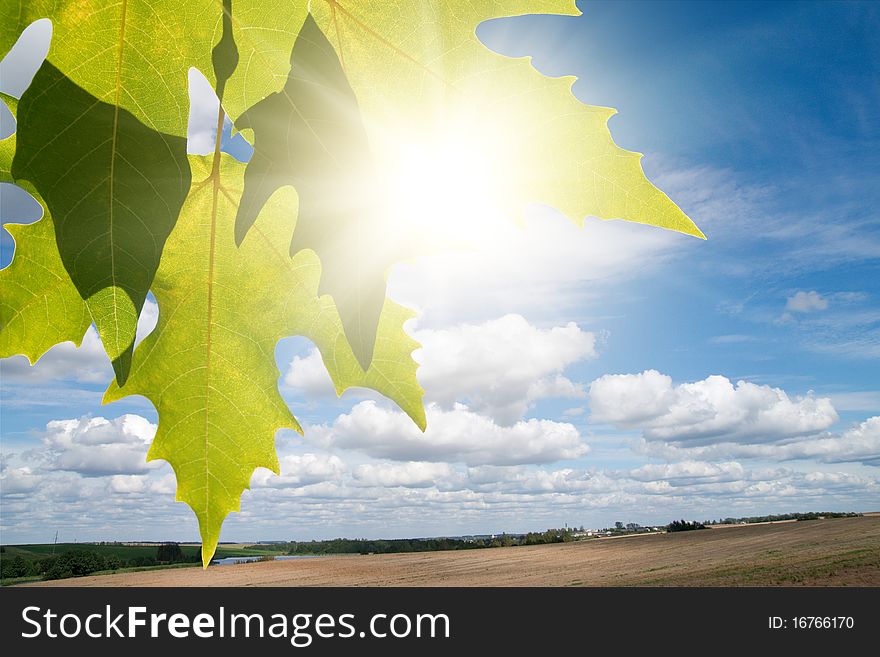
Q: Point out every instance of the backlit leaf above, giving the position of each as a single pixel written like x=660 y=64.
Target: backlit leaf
x=209 y=366
x=114 y=188
x=310 y=136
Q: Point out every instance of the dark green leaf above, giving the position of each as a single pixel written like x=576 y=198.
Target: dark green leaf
x=310 y=135
x=114 y=187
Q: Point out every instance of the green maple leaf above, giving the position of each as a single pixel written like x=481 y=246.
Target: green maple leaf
x=417 y=68
x=114 y=188
x=310 y=136
x=134 y=54
x=209 y=366
x=39 y=304
x=114 y=91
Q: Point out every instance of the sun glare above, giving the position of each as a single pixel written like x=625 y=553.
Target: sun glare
x=449 y=188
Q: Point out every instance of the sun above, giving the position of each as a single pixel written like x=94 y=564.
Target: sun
x=450 y=188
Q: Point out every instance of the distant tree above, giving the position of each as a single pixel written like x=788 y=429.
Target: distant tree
x=684 y=526
x=169 y=553
x=16 y=567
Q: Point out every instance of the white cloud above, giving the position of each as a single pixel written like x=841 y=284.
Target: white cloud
x=87 y=363
x=861 y=443
x=499 y=367
x=127 y=484
x=546 y=262
x=308 y=375
x=628 y=399
x=340 y=494
x=712 y=410
x=457 y=435
x=98 y=446
x=202 y=125
x=147 y=321
x=301 y=470
x=689 y=472
x=14 y=481
x=806 y=302
x=414 y=474
x=203 y=108
x=164 y=485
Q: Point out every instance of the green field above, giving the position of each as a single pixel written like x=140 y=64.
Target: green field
x=128 y=552
x=35 y=562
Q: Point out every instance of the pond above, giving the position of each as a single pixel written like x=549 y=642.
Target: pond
x=226 y=561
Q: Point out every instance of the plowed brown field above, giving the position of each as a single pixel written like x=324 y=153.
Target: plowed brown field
x=832 y=552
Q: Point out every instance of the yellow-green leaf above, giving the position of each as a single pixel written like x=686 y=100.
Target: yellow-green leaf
x=209 y=366
x=418 y=70
x=39 y=304
x=114 y=187
x=130 y=53
x=311 y=136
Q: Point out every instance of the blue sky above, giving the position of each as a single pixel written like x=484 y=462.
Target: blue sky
x=761 y=121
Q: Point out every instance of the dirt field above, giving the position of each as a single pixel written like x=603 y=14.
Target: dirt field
x=833 y=552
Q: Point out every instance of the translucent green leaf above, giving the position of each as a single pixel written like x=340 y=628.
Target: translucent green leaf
x=418 y=69
x=310 y=136
x=114 y=188
x=209 y=365
x=39 y=304
x=130 y=53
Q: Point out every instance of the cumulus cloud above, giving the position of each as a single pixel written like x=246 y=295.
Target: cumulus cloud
x=414 y=474
x=529 y=480
x=98 y=446
x=87 y=363
x=806 y=302
x=326 y=494
x=14 y=481
x=498 y=368
x=860 y=443
x=457 y=435
x=127 y=484
x=501 y=366
x=707 y=411
x=308 y=375
x=689 y=472
x=301 y=470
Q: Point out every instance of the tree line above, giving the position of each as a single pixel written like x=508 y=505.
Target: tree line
x=811 y=515
x=388 y=546
x=76 y=563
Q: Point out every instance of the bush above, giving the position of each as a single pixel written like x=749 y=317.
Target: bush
x=684 y=526
x=169 y=553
